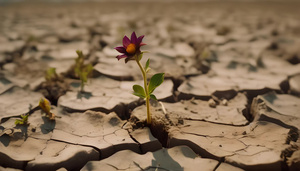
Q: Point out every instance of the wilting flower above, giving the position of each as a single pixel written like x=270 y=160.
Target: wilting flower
x=130 y=48
x=45 y=105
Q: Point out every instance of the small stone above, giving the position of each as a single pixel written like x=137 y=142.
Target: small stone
x=224 y=102
x=212 y=103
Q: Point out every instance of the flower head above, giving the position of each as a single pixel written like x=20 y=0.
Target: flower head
x=131 y=47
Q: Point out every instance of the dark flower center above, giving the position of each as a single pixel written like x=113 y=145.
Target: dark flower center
x=131 y=48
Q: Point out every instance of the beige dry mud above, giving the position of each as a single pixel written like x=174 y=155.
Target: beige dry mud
x=230 y=99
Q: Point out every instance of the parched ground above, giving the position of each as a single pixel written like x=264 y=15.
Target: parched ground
x=230 y=99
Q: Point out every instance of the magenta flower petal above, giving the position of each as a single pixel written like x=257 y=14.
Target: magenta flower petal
x=134 y=38
x=120 y=49
x=139 y=40
x=121 y=56
x=126 y=41
x=142 y=44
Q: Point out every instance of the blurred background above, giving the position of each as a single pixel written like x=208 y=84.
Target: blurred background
x=184 y=36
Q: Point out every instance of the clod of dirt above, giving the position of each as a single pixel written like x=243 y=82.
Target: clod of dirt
x=294 y=161
x=159 y=126
x=146 y=140
x=54 y=88
x=281 y=109
x=160 y=130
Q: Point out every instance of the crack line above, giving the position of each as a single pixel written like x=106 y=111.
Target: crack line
x=217 y=123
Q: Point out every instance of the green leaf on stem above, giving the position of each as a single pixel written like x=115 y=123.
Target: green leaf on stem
x=147 y=64
x=79 y=53
x=18 y=122
x=82 y=70
x=89 y=68
x=79 y=62
x=22 y=121
x=139 y=91
x=152 y=96
x=147 y=69
x=140 y=56
x=155 y=81
x=85 y=72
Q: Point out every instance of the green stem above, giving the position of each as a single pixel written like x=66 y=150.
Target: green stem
x=146 y=91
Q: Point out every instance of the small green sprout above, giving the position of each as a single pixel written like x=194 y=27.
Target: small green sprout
x=23 y=121
x=131 y=51
x=81 y=70
x=205 y=54
x=45 y=105
x=51 y=74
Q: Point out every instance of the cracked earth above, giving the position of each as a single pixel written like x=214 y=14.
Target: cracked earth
x=230 y=99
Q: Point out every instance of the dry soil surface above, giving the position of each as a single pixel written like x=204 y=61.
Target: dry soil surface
x=230 y=99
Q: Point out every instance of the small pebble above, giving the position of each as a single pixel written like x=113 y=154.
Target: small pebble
x=224 y=102
x=212 y=103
